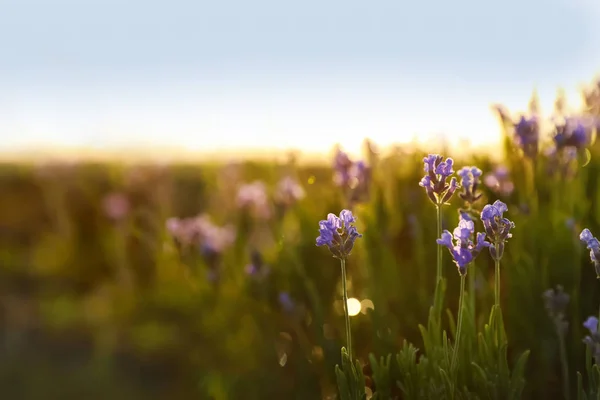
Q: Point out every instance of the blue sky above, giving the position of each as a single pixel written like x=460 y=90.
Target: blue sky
x=222 y=74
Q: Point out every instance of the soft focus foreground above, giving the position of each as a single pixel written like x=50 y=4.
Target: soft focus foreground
x=204 y=281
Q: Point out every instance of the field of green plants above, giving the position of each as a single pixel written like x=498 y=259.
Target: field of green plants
x=206 y=282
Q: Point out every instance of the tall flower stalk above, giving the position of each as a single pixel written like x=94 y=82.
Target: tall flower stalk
x=556 y=302
x=439 y=191
x=469 y=182
x=463 y=251
x=497 y=229
x=346 y=313
x=339 y=235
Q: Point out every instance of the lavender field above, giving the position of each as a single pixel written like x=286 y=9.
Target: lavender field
x=466 y=278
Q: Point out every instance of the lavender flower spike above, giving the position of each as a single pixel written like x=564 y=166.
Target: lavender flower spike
x=593 y=339
x=470 y=182
x=437 y=172
x=556 y=302
x=338 y=233
x=463 y=250
x=497 y=228
x=594 y=246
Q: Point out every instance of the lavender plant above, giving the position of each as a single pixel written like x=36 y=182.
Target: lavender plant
x=497 y=229
x=556 y=302
x=439 y=191
x=470 y=196
x=463 y=251
x=339 y=234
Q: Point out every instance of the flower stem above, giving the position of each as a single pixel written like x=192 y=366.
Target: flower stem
x=471 y=291
x=564 y=364
x=439 y=248
x=459 y=325
x=346 y=314
x=497 y=283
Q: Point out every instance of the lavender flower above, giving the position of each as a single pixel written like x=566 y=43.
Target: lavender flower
x=593 y=339
x=469 y=183
x=527 y=134
x=338 y=234
x=496 y=227
x=556 y=302
x=573 y=132
x=594 y=246
x=288 y=191
x=463 y=250
x=200 y=233
x=253 y=196
x=437 y=172
x=353 y=177
x=499 y=181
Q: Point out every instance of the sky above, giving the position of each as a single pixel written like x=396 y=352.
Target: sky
x=219 y=75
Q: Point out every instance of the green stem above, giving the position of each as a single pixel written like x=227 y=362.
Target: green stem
x=439 y=248
x=497 y=284
x=346 y=314
x=564 y=364
x=471 y=275
x=460 y=318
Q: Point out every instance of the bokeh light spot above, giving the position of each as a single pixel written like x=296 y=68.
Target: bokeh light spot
x=353 y=307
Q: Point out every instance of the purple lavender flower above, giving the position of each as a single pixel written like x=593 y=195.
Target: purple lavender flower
x=573 y=132
x=527 y=134
x=469 y=183
x=496 y=227
x=437 y=172
x=499 y=181
x=288 y=191
x=353 y=177
x=556 y=302
x=463 y=250
x=253 y=196
x=594 y=246
x=593 y=339
x=338 y=234
x=341 y=168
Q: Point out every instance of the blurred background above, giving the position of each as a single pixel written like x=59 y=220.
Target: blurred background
x=165 y=166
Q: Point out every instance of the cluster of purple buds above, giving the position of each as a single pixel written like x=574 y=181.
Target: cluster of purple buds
x=437 y=171
x=463 y=250
x=338 y=234
x=211 y=240
x=499 y=181
x=469 y=181
x=593 y=339
x=497 y=228
x=594 y=247
x=353 y=177
x=341 y=168
x=288 y=192
x=253 y=197
x=573 y=132
x=556 y=302
x=527 y=135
